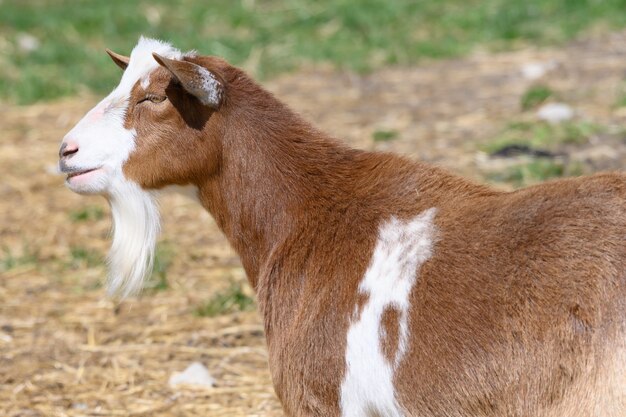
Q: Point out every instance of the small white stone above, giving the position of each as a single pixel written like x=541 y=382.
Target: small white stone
x=536 y=70
x=27 y=42
x=196 y=374
x=555 y=112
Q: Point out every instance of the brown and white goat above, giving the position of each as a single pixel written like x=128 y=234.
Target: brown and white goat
x=387 y=287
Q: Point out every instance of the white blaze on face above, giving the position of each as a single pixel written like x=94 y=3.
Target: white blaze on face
x=104 y=145
x=402 y=247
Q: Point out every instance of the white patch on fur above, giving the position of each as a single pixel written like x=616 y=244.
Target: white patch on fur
x=402 y=247
x=145 y=82
x=103 y=141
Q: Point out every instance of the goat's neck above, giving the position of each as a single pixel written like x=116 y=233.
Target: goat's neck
x=273 y=165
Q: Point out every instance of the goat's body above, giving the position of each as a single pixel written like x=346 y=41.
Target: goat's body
x=388 y=288
x=508 y=315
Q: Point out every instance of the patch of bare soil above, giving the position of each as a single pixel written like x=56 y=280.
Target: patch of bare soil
x=65 y=350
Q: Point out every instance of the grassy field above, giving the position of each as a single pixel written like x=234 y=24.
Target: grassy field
x=54 y=48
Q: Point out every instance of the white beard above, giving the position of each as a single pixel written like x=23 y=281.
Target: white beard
x=135 y=231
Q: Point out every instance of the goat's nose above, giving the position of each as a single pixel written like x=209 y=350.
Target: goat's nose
x=67 y=149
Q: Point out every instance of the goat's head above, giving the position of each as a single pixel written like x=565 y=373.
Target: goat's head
x=155 y=129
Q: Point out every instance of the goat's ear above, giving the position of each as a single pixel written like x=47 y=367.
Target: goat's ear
x=120 y=60
x=195 y=79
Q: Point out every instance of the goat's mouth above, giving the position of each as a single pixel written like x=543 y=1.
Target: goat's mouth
x=78 y=173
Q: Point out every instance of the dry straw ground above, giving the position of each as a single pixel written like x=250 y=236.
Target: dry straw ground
x=65 y=350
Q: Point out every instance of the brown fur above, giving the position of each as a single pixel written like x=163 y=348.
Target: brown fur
x=519 y=312
x=390 y=333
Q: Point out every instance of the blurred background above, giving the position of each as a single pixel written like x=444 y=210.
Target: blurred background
x=508 y=92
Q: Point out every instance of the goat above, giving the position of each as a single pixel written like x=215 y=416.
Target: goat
x=387 y=287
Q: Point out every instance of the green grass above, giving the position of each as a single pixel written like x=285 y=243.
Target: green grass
x=163 y=256
x=10 y=260
x=546 y=137
x=542 y=135
x=85 y=258
x=231 y=300
x=384 y=135
x=536 y=171
x=270 y=36
x=90 y=213
x=535 y=96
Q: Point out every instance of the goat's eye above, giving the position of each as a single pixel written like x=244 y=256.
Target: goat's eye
x=153 y=98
